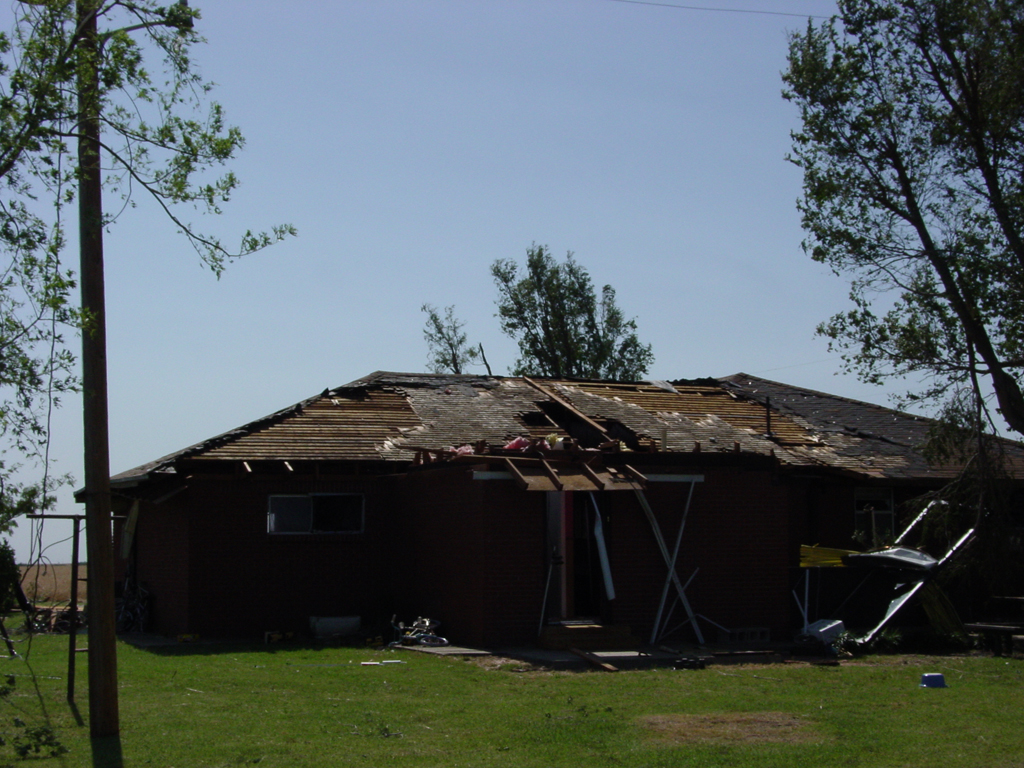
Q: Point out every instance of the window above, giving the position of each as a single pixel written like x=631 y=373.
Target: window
x=316 y=513
x=874 y=520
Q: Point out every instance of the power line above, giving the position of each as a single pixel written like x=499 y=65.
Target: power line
x=721 y=10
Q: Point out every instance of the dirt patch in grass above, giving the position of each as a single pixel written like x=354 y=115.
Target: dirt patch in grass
x=914 y=660
x=505 y=664
x=730 y=728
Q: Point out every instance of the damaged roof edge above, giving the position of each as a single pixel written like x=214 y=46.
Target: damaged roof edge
x=436 y=380
x=141 y=473
x=733 y=384
x=416 y=380
x=376 y=417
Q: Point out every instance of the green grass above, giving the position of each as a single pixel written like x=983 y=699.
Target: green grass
x=300 y=706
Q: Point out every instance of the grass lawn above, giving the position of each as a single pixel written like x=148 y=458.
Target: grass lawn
x=285 y=705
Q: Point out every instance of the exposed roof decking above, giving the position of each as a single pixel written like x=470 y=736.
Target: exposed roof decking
x=855 y=435
x=458 y=414
x=386 y=417
x=333 y=427
x=697 y=403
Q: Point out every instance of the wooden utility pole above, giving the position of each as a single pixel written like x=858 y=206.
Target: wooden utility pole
x=103 y=709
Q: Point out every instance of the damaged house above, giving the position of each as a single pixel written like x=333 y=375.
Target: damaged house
x=507 y=507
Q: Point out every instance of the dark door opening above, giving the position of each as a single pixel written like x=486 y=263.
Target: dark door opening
x=586 y=577
x=579 y=577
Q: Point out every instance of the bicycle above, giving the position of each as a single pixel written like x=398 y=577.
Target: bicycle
x=420 y=632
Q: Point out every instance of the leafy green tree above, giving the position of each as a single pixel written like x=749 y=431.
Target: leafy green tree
x=80 y=116
x=160 y=139
x=563 y=327
x=447 y=343
x=912 y=150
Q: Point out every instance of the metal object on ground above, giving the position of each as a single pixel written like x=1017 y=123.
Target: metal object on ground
x=825 y=630
x=933 y=680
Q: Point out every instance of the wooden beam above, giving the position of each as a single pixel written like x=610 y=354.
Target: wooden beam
x=640 y=478
x=517 y=475
x=552 y=475
x=594 y=660
x=567 y=405
x=592 y=475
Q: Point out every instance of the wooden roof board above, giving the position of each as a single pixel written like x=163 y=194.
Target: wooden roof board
x=453 y=416
x=857 y=435
x=386 y=417
x=698 y=402
x=331 y=428
x=572 y=479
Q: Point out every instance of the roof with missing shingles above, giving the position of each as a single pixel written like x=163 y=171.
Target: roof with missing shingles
x=857 y=435
x=386 y=417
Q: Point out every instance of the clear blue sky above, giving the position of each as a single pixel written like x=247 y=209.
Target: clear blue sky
x=412 y=143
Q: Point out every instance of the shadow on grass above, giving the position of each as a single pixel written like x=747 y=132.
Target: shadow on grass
x=525 y=657
x=159 y=647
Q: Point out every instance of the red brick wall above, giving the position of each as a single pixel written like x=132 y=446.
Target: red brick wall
x=831 y=515
x=469 y=553
x=214 y=570
x=736 y=538
x=474 y=557
x=479 y=562
x=161 y=557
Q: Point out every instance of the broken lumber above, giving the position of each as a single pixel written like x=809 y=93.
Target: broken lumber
x=594 y=660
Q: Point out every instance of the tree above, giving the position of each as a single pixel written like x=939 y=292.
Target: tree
x=563 y=328
x=912 y=149
x=79 y=113
x=160 y=141
x=447 y=343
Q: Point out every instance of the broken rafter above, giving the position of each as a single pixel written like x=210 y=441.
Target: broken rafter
x=594 y=660
x=568 y=406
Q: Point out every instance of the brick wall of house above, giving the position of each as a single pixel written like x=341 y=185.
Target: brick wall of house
x=736 y=538
x=830 y=516
x=161 y=560
x=241 y=580
x=472 y=553
x=472 y=557
x=480 y=555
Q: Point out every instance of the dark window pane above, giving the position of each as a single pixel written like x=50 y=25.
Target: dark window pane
x=290 y=514
x=338 y=513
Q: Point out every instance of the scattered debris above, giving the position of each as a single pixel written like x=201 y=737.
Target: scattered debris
x=277 y=637
x=594 y=660
x=690 y=662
